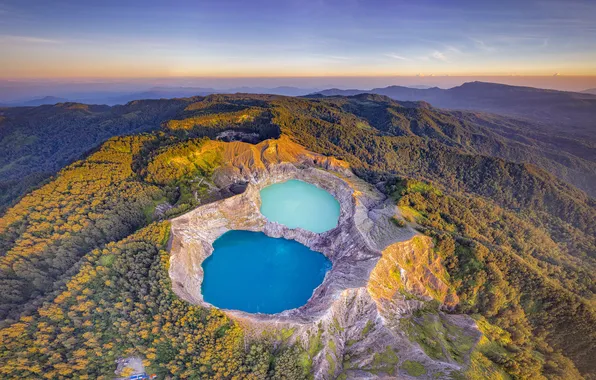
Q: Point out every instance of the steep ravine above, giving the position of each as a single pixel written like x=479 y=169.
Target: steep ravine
x=353 y=326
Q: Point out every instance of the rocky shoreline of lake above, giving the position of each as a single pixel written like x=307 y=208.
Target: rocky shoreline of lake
x=381 y=273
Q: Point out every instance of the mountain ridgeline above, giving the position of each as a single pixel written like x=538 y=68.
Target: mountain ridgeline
x=38 y=141
x=565 y=112
x=508 y=202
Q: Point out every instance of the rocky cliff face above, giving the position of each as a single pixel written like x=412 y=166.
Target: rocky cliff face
x=352 y=326
x=413 y=267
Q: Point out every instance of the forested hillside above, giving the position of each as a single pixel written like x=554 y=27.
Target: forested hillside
x=36 y=142
x=83 y=275
x=567 y=113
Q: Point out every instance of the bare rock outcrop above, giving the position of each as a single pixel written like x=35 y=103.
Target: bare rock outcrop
x=381 y=273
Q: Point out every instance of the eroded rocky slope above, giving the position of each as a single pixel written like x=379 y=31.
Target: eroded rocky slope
x=361 y=321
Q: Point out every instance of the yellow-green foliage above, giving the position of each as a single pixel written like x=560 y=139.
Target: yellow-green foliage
x=413 y=368
x=385 y=361
x=336 y=326
x=237 y=118
x=491 y=345
x=287 y=334
x=482 y=368
x=418 y=243
x=89 y=203
x=492 y=332
x=331 y=362
x=410 y=214
x=332 y=346
x=437 y=336
x=194 y=158
x=107 y=260
x=422 y=187
x=120 y=303
x=275 y=336
x=305 y=361
x=369 y=325
x=395 y=274
x=315 y=344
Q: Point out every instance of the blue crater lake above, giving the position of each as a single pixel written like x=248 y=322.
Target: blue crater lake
x=253 y=272
x=299 y=204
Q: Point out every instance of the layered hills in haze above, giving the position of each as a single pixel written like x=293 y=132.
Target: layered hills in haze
x=51 y=136
x=571 y=110
x=113 y=96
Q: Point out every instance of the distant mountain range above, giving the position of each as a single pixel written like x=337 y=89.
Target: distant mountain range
x=573 y=110
x=36 y=102
x=121 y=97
x=570 y=109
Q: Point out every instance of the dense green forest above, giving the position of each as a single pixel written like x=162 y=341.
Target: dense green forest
x=120 y=302
x=36 y=142
x=83 y=271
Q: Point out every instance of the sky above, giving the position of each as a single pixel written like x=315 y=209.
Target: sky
x=296 y=38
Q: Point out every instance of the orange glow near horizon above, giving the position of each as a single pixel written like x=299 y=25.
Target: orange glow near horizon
x=72 y=40
x=124 y=72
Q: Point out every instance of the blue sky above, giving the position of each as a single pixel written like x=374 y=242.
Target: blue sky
x=296 y=38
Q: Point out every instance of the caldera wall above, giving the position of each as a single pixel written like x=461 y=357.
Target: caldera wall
x=193 y=234
x=357 y=309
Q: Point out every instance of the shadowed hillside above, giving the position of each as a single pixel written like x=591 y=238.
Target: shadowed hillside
x=38 y=141
x=554 y=109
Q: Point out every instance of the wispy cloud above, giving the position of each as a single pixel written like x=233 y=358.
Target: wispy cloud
x=482 y=45
x=453 y=49
x=396 y=56
x=439 y=56
x=28 y=39
x=332 y=57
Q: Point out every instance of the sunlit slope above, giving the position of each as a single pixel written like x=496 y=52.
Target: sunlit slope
x=38 y=141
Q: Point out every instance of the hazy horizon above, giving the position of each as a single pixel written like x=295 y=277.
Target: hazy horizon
x=327 y=38
x=70 y=48
x=82 y=88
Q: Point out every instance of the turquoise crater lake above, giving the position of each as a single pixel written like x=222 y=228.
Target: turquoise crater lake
x=299 y=204
x=253 y=272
